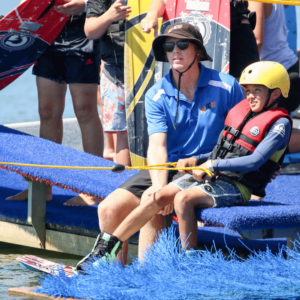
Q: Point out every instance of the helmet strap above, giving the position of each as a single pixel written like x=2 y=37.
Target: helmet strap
x=267 y=106
x=178 y=88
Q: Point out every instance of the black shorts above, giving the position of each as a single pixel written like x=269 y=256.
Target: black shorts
x=243 y=49
x=140 y=182
x=69 y=68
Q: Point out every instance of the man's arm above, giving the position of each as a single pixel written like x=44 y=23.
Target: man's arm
x=156 y=10
x=157 y=154
x=72 y=7
x=263 y=11
x=95 y=27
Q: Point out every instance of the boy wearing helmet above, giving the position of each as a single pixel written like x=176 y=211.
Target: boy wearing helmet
x=248 y=152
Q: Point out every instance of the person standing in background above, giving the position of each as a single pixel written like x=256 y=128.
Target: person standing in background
x=106 y=21
x=71 y=60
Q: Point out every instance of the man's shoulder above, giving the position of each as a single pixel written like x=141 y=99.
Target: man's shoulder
x=157 y=89
x=221 y=77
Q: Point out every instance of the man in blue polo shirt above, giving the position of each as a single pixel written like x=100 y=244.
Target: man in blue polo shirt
x=185 y=113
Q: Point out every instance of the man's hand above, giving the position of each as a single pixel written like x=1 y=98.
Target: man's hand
x=72 y=7
x=118 y=12
x=186 y=163
x=167 y=210
x=149 y=22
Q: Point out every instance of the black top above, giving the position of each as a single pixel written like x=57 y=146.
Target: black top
x=72 y=39
x=239 y=10
x=112 y=42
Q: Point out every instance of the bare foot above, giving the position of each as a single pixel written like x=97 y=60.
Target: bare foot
x=83 y=200
x=23 y=196
x=109 y=154
x=253 y=197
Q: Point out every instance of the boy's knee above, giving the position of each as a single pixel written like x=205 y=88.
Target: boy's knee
x=181 y=202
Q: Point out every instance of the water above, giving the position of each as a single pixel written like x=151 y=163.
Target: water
x=18 y=101
x=13 y=275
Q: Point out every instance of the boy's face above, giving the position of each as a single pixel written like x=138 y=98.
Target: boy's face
x=257 y=96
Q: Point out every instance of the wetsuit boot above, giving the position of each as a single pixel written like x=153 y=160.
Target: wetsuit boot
x=106 y=247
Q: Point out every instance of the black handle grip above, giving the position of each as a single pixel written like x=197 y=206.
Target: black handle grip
x=118 y=168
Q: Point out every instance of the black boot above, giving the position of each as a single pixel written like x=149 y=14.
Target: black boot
x=106 y=246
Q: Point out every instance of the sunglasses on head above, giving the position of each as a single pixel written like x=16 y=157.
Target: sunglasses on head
x=182 y=45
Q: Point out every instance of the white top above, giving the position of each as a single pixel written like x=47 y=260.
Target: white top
x=275 y=46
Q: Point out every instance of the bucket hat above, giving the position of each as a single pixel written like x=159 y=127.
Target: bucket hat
x=180 y=30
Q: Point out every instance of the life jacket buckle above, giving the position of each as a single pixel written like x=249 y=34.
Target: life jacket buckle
x=227 y=145
x=237 y=133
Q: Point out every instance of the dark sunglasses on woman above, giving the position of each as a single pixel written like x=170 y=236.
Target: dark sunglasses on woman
x=182 y=45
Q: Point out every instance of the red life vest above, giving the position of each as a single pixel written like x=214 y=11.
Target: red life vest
x=255 y=129
x=232 y=143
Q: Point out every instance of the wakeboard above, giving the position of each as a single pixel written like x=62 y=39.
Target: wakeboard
x=35 y=263
x=25 y=33
x=211 y=17
x=139 y=77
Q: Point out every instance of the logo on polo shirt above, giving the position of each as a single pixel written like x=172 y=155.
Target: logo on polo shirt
x=207 y=106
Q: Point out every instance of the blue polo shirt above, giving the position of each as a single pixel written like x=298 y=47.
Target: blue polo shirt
x=200 y=121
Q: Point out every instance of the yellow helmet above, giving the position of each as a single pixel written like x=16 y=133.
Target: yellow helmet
x=268 y=73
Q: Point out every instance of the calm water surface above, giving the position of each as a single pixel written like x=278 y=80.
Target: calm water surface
x=18 y=103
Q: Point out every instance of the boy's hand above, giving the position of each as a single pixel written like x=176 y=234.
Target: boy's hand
x=118 y=12
x=200 y=175
x=149 y=22
x=72 y=7
x=186 y=163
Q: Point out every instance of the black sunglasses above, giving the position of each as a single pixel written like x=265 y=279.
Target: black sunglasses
x=182 y=45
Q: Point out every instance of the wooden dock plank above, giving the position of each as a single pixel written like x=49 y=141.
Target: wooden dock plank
x=29 y=292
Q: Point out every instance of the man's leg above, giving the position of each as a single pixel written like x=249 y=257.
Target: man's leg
x=51 y=96
x=113 y=210
x=185 y=202
x=150 y=206
x=84 y=98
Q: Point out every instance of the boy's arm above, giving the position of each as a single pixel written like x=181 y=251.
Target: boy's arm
x=96 y=25
x=276 y=139
x=156 y=10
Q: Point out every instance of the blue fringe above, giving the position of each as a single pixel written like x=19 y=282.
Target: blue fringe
x=166 y=273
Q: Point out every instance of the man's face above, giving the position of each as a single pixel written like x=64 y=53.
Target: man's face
x=181 y=59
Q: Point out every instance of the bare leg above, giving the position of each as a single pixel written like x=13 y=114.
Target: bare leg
x=122 y=155
x=84 y=98
x=185 y=202
x=51 y=97
x=109 y=150
x=113 y=210
x=145 y=211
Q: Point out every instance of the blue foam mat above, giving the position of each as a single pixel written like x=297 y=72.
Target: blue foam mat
x=280 y=209
x=81 y=217
x=16 y=147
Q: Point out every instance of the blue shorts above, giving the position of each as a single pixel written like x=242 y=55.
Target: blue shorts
x=223 y=191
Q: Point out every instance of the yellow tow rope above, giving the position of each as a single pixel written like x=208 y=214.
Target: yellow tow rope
x=117 y=168
x=283 y=2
